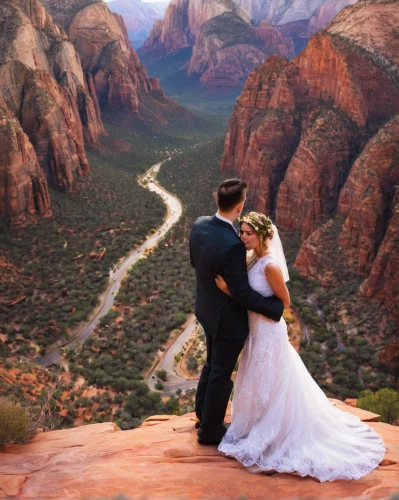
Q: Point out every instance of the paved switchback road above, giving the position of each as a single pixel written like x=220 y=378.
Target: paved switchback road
x=174 y=213
x=167 y=362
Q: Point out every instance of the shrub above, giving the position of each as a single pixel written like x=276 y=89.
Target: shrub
x=159 y=386
x=192 y=363
x=162 y=374
x=15 y=427
x=385 y=402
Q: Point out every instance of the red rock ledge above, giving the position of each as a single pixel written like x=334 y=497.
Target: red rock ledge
x=162 y=459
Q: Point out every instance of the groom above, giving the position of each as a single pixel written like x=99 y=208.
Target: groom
x=215 y=248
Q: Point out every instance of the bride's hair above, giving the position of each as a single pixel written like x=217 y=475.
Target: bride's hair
x=261 y=224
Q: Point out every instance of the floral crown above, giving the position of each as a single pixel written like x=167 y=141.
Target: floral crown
x=262 y=225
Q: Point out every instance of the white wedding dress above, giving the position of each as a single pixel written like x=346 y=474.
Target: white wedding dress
x=281 y=419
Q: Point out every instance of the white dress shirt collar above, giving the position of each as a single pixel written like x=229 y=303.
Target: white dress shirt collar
x=225 y=220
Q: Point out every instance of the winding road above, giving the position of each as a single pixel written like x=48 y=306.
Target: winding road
x=168 y=363
x=174 y=212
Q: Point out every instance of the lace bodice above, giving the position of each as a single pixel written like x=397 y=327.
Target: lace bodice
x=257 y=278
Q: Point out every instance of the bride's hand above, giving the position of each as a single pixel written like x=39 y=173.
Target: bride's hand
x=220 y=283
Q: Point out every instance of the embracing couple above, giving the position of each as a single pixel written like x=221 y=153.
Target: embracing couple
x=281 y=419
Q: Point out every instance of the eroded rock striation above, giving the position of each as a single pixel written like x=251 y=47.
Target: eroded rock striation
x=56 y=73
x=226 y=44
x=23 y=186
x=266 y=27
x=42 y=85
x=228 y=48
x=183 y=21
x=337 y=94
x=369 y=197
x=319 y=135
x=101 y=40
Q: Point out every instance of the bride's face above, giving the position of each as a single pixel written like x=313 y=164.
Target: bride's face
x=249 y=237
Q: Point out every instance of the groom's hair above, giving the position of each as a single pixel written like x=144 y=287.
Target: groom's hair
x=230 y=194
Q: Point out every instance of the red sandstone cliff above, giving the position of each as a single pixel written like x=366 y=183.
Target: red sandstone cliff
x=23 y=186
x=54 y=77
x=337 y=94
x=184 y=18
x=298 y=128
x=43 y=86
x=203 y=25
x=228 y=48
x=101 y=41
x=120 y=80
x=368 y=197
x=182 y=23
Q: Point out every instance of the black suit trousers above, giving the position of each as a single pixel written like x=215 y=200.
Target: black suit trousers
x=215 y=384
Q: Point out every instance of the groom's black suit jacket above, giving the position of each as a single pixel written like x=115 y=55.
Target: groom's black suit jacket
x=215 y=248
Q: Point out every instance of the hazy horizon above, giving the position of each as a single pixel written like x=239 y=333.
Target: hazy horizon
x=145 y=1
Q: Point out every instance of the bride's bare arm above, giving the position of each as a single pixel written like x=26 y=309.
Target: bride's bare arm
x=275 y=278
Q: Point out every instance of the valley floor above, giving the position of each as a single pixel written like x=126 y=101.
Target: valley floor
x=59 y=268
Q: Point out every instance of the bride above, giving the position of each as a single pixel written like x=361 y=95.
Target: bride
x=281 y=419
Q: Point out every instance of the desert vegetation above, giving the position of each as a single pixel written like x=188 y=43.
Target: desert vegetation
x=56 y=269
x=154 y=300
x=54 y=273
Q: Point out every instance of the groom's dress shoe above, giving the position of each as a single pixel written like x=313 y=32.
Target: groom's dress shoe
x=204 y=442
x=213 y=437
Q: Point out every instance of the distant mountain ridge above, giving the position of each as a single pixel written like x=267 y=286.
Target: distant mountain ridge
x=203 y=23
x=139 y=17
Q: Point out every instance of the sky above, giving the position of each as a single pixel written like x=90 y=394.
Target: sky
x=146 y=1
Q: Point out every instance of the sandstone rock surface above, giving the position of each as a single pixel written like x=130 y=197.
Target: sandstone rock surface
x=328 y=83
x=333 y=146
x=54 y=77
x=325 y=14
x=163 y=459
x=182 y=23
x=23 y=186
x=184 y=19
x=228 y=48
x=280 y=12
x=101 y=40
x=368 y=197
x=43 y=86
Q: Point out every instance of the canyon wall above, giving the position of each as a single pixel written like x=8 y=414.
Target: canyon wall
x=228 y=48
x=232 y=37
x=43 y=87
x=56 y=75
x=317 y=137
x=23 y=187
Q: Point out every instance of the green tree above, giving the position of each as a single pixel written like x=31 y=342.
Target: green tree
x=162 y=374
x=385 y=402
x=172 y=406
x=192 y=364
